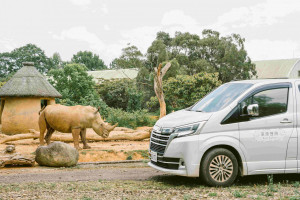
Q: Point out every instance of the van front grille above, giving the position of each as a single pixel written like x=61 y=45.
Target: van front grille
x=159 y=141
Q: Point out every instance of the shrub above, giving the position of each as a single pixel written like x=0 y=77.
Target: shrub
x=183 y=91
x=127 y=119
x=121 y=93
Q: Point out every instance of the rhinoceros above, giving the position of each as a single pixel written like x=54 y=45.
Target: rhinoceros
x=72 y=119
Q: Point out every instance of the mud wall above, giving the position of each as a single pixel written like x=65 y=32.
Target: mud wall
x=21 y=114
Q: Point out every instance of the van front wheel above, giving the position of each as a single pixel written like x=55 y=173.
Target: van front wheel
x=219 y=167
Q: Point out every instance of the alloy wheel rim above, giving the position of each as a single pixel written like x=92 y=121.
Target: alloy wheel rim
x=221 y=168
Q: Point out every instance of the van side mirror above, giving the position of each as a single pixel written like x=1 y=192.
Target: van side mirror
x=253 y=110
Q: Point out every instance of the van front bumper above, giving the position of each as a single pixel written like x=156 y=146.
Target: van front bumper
x=186 y=150
x=180 y=172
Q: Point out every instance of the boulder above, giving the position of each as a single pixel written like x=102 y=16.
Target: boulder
x=57 y=154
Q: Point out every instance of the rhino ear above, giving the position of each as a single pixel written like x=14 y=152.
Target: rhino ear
x=97 y=110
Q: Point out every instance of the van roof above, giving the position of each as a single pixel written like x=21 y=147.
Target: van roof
x=265 y=81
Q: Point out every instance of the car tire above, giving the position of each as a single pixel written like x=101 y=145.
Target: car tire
x=219 y=167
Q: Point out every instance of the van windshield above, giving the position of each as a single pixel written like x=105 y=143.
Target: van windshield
x=220 y=97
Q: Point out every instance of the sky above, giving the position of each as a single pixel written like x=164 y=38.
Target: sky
x=271 y=28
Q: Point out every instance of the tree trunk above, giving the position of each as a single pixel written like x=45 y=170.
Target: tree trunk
x=158 y=87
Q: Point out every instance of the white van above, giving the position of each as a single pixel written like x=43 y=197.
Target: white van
x=241 y=128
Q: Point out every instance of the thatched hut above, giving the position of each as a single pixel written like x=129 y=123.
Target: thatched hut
x=22 y=97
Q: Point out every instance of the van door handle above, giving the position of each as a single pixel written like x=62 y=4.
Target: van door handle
x=285 y=121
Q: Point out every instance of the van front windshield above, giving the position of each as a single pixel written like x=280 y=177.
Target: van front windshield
x=221 y=97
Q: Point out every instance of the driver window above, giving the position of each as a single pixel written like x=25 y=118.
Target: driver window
x=270 y=102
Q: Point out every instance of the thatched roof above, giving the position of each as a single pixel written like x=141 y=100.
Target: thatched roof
x=28 y=82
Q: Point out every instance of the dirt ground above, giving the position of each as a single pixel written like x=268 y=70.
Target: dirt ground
x=100 y=151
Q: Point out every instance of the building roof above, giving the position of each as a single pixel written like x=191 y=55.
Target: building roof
x=275 y=68
x=28 y=82
x=114 y=74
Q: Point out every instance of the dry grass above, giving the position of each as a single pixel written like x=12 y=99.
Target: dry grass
x=159 y=187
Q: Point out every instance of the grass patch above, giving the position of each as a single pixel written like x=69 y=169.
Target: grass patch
x=212 y=194
x=238 y=194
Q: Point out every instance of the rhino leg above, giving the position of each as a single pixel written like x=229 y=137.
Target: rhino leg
x=48 y=135
x=43 y=127
x=83 y=139
x=42 y=133
x=75 y=134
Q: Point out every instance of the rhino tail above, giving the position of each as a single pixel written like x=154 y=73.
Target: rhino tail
x=42 y=110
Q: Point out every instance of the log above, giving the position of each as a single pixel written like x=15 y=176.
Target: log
x=16 y=159
x=128 y=134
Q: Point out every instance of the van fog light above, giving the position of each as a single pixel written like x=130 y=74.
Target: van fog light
x=181 y=163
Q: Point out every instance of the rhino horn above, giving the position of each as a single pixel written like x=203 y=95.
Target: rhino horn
x=109 y=127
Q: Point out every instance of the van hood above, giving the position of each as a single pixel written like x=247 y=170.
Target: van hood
x=182 y=117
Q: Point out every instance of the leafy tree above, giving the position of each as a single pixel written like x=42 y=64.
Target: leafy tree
x=121 y=93
x=56 y=60
x=227 y=56
x=211 y=53
x=12 y=61
x=90 y=60
x=76 y=86
x=131 y=58
x=157 y=53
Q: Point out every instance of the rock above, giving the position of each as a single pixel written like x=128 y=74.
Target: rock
x=57 y=154
x=10 y=149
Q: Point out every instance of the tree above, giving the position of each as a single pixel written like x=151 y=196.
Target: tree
x=157 y=53
x=12 y=61
x=211 y=53
x=131 y=58
x=158 y=87
x=90 y=60
x=227 y=56
x=56 y=60
x=76 y=86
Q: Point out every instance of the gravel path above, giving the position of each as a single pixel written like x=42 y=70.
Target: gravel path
x=128 y=171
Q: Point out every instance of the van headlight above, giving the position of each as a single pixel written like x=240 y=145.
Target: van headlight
x=190 y=129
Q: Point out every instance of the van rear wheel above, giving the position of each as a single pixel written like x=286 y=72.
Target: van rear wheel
x=219 y=167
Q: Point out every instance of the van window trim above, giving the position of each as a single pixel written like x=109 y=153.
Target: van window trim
x=266 y=87
x=255 y=91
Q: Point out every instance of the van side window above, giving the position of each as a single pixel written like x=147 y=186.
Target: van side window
x=270 y=102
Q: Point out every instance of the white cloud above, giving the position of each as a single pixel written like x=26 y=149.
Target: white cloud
x=141 y=37
x=177 y=20
x=107 y=51
x=177 y=17
x=104 y=9
x=172 y=21
x=106 y=27
x=272 y=49
x=80 y=33
x=266 y=13
x=7 y=45
x=80 y=2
